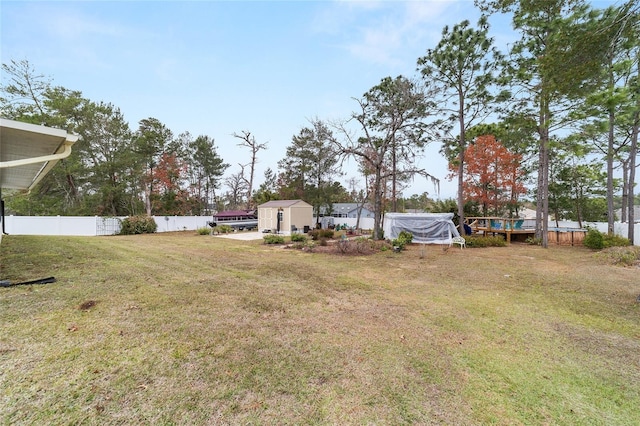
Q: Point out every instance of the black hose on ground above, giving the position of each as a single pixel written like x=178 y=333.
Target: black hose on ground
x=48 y=280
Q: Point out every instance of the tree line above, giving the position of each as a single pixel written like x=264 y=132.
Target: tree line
x=552 y=119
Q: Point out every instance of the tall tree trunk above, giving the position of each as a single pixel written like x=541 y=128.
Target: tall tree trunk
x=377 y=218
x=394 y=178
x=625 y=190
x=632 y=176
x=461 y=191
x=147 y=199
x=250 y=189
x=610 y=152
x=461 y=147
x=539 y=194
x=580 y=198
x=545 y=188
x=632 y=165
x=149 y=192
x=542 y=208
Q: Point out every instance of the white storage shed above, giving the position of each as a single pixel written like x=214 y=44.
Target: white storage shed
x=285 y=216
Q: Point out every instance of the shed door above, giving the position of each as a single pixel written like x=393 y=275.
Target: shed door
x=269 y=219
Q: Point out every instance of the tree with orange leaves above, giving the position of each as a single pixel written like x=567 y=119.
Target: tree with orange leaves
x=168 y=178
x=493 y=177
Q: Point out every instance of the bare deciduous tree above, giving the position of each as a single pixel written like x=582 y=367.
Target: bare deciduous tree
x=250 y=142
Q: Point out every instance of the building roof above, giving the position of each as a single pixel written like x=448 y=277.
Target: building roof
x=29 y=151
x=527 y=213
x=283 y=203
x=343 y=208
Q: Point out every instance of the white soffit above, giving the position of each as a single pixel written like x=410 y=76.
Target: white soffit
x=29 y=151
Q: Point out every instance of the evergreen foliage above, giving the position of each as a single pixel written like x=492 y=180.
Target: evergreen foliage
x=298 y=238
x=138 y=225
x=273 y=239
x=319 y=234
x=481 y=241
x=403 y=239
x=597 y=240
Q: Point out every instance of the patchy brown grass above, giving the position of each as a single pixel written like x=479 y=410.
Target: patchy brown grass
x=622 y=256
x=194 y=329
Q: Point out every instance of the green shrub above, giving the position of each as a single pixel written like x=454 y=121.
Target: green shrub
x=339 y=234
x=534 y=241
x=224 y=229
x=138 y=225
x=406 y=236
x=327 y=233
x=594 y=239
x=403 y=239
x=597 y=240
x=304 y=245
x=204 y=231
x=298 y=238
x=477 y=241
x=623 y=256
x=615 y=241
x=273 y=239
x=319 y=234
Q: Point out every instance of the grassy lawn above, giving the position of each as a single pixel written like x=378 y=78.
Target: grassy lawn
x=186 y=329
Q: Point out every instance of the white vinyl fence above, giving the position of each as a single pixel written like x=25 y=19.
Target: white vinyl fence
x=93 y=225
x=96 y=225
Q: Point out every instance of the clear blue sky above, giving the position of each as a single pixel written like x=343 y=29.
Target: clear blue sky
x=214 y=68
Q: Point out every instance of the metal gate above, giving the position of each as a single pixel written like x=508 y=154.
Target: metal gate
x=107 y=225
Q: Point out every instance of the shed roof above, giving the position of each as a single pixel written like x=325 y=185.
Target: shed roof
x=29 y=151
x=283 y=203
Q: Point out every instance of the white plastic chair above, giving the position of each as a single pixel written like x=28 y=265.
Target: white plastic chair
x=458 y=240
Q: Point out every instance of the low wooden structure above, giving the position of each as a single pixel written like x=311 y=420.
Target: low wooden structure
x=511 y=228
x=566 y=236
x=516 y=229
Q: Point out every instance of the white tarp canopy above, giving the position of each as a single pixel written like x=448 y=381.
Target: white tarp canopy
x=426 y=228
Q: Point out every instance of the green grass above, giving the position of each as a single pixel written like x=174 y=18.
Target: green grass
x=188 y=329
